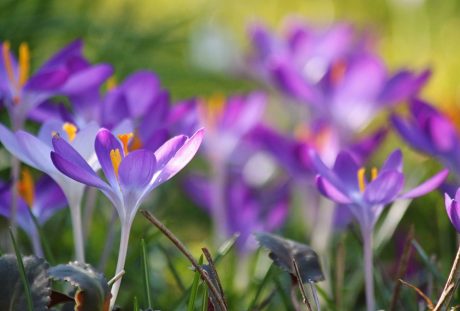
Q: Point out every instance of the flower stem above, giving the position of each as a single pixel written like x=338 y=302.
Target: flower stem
x=75 y=214
x=36 y=244
x=15 y=166
x=368 y=271
x=122 y=251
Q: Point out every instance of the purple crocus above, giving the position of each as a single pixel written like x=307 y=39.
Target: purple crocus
x=130 y=175
x=42 y=199
x=66 y=73
x=346 y=184
x=429 y=131
x=35 y=150
x=453 y=209
x=248 y=209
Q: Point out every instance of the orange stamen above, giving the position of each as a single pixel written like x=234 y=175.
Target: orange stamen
x=26 y=187
x=361 y=179
x=338 y=71
x=125 y=138
x=374 y=173
x=8 y=62
x=136 y=143
x=70 y=129
x=115 y=157
x=24 y=64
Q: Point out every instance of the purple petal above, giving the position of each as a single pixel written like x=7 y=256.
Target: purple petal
x=385 y=188
x=136 y=170
x=403 y=85
x=72 y=50
x=106 y=142
x=452 y=209
x=393 y=162
x=140 y=90
x=64 y=149
x=168 y=150
x=10 y=142
x=331 y=192
x=49 y=199
x=181 y=158
x=48 y=80
x=346 y=169
x=325 y=172
x=200 y=190
x=36 y=151
x=412 y=134
x=81 y=174
x=429 y=185
x=87 y=79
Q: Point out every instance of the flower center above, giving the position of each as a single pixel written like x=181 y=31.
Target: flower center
x=361 y=174
x=26 y=187
x=111 y=83
x=24 y=67
x=338 y=72
x=115 y=157
x=71 y=130
x=211 y=109
x=125 y=138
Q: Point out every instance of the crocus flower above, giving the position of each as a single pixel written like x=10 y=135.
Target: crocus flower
x=346 y=184
x=431 y=132
x=248 y=209
x=35 y=152
x=42 y=199
x=66 y=73
x=130 y=175
x=453 y=209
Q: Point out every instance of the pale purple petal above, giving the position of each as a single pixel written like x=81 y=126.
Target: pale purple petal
x=452 y=209
x=37 y=151
x=331 y=192
x=86 y=79
x=63 y=148
x=10 y=142
x=393 y=162
x=385 y=188
x=346 y=169
x=429 y=185
x=168 y=150
x=136 y=170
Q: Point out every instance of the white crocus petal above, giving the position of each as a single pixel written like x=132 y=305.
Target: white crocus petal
x=37 y=151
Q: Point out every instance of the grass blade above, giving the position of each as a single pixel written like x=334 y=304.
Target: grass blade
x=22 y=272
x=135 y=304
x=261 y=287
x=194 y=290
x=145 y=271
x=173 y=269
x=204 y=303
x=43 y=240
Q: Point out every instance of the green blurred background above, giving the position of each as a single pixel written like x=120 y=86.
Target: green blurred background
x=169 y=38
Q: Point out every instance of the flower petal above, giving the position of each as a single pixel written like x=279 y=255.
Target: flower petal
x=452 y=209
x=347 y=170
x=10 y=142
x=181 y=158
x=105 y=142
x=429 y=185
x=81 y=174
x=136 y=170
x=331 y=192
x=65 y=150
x=393 y=162
x=167 y=151
x=86 y=79
x=385 y=188
x=37 y=151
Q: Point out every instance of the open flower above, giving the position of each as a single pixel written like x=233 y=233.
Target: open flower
x=66 y=73
x=130 y=175
x=453 y=209
x=42 y=200
x=35 y=152
x=431 y=132
x=346 y=184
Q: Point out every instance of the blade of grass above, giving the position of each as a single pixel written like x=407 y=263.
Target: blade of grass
x=261 y=287
x=426 y=260
x=135 y=304
x=284 y=297
x=194 y=290
x=226 y=247
x=145 y=270
x=22 y=272
x=204 y=304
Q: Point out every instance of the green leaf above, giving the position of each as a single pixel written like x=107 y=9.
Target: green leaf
x=194 y=290
x=92 y=290
x=12 y=294
x=145 y=270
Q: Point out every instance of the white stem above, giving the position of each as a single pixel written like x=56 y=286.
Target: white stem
x=124 y=239
x=36 y=244
x=368 y=270
x=75 y=214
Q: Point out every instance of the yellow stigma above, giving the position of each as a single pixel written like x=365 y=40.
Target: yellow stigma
x=70 y=129
x=7 y=61
x=374 y=173
x=24 y=64
x=115 y=157
x=26 y=187
x=125 y=138
x=111 y=83
x=361 y=179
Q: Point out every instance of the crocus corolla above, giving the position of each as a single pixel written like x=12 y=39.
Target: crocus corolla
x=131 y=175
x=453 y=209
x=35 y=152
x=346 y=184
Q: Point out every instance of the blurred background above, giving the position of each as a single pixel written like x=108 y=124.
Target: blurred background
x=196 y=46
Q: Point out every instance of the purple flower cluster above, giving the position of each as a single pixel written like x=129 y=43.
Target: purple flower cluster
x=330 y=84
